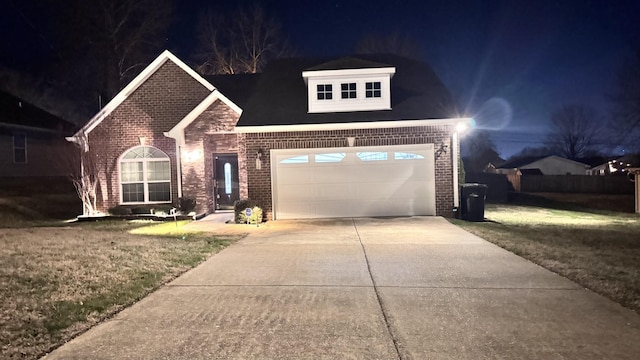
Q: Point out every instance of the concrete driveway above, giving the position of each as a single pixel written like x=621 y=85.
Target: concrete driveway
x=398 y=288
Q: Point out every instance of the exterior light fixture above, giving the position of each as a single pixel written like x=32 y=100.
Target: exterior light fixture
x=351 y=141
x=259 y=154
x=442 y=149
x=194 y=155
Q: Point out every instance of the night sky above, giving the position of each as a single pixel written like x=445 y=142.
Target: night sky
x=509 y=63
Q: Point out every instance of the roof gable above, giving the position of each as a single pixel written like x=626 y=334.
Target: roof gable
x=516 y=163
x=533 y=160
x=136 y=83
x=177 y=132
x=559 y=159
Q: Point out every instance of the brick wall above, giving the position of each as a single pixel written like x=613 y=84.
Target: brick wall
x=154 y=108
x=202 y=135
x=259 y=180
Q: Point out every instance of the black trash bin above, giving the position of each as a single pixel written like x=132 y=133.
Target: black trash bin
x=472 y=197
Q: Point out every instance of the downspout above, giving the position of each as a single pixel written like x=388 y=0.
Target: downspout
x=178 y=161
x=454 y=154
x=179 y=168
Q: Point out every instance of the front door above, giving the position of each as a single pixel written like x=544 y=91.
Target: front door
x=226 y=186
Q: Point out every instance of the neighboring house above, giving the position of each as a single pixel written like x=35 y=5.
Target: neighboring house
x=543 y=165
x=616 y=166
x=31 y=140
x=308 y=138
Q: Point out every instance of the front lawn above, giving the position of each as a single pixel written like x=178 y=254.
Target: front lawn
x=598 y=250
x=56 y=282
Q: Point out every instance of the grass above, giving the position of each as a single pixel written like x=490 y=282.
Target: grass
x=18 y=211
x=597 y=249
x=56 y=282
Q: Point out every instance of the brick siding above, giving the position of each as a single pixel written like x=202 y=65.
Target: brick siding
x=203 y=135
x=154 y=108
x=259 y=180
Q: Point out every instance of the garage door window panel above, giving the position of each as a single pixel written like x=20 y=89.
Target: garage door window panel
x=302 y=159
x=329 y=158
x=406 y=156
x=373 y=156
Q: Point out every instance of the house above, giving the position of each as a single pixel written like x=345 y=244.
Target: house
x=616 y=166
x=31 y=140
x=371 y=135
x=543 y=165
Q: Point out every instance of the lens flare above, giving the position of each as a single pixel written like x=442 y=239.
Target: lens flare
x=495 y=114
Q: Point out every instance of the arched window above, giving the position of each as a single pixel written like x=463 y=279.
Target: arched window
x=145 y=176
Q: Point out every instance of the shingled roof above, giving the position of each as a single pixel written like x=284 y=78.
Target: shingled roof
x=15 y=112
x=280 y=95
x=348 y=62
x=237 y=87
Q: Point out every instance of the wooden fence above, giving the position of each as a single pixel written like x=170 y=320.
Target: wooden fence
x=575 y=184
x=498 y=186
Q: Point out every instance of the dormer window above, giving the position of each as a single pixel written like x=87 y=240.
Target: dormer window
x=349 y=84
x=372 y=89
x=325 y=92
x=349 y=91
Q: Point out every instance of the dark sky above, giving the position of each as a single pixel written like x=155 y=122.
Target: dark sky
x=509 y=63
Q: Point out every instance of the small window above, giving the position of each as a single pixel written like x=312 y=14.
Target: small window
x=406 y=156
x=348 y=90
x=372 y=89
x=325 y=92
x=227 y=178
x=372 y=156
x=20 y=148
x=329 y=158
x=302 y=159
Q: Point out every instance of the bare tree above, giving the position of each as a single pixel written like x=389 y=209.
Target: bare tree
x=82 y=171
x=479 y=150
x=239 y=43
x=626 y=101
x=104 y=43
x=573 y=128
x=42 y=93
x=392 y=43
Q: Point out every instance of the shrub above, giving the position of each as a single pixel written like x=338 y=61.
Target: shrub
x=120 y=210
x=186 y=205
x=239 y=208
x=158 y=209
x=141 y=209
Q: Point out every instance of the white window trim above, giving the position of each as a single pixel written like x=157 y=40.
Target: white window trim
x=26 y=158
x=373 y=89
x=324 y=92
x=349 y=91
x=339 y=104
x=144 y=181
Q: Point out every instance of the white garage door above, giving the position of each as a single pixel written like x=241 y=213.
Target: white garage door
x=353 y=182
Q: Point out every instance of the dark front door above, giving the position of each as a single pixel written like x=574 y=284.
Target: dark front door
x=226 y=186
